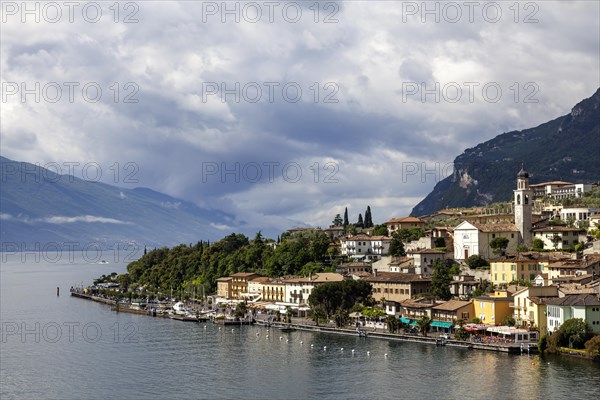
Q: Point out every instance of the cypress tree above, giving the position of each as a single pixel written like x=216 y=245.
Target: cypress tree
x=346 y=223
x=360 y=222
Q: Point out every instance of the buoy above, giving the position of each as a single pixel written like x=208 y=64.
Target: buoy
x=280 y=337
x=233 y=330
x=204 y=326
x=312 y=345
x=287 y=340
x=342 y=349
x=325 y=348
x=368 y=353
x=219 y=328
x=352 y=351
x=267 y=336
x=301 y=343
x=257 y=334
x=385 y=355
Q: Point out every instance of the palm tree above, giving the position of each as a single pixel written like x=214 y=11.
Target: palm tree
x=424 y=324
x=392 y=323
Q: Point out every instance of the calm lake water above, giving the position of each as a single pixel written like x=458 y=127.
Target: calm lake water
x=62 y=347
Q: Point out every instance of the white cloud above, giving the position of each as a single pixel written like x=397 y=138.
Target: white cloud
x=372 y=132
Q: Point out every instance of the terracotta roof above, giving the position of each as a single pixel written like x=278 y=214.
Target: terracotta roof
x=425 y=251
x=261 y=279
x=576 y=300
x=495 y=227
x=397 y=277
x=243 y=274
x=489 y=298
x=520 y=257
x=400 y=260
x=550 y=183
x=355 y=264
x=556 y=228
x=317 y=278
x=224 y=279
x=451 y=305
x=407 y=220
x=541 y=300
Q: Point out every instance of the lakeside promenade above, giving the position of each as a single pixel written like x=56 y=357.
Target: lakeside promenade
x=304 y=324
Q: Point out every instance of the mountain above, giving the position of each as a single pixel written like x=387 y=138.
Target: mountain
x=566 y=149
x=39 y=207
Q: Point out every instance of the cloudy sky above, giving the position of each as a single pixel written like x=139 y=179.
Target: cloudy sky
x=283 y=113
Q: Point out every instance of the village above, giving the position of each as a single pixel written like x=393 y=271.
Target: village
x=517 y=294
x=502 y=278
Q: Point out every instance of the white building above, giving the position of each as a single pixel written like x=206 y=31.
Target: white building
x=578 y=214
x=424 y=259
x=371 y=247
x=584 y=306
x=560 y=189
x=471 y=238
x=559 y=237
x=298 y=289
x=523 y=200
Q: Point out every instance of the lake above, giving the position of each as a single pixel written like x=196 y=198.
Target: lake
x=62 y=347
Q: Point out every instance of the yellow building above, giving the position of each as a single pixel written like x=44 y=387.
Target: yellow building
x=522 y=266
x=529 y=306
x=239 y=285
x=494 y=309
x=224 y=287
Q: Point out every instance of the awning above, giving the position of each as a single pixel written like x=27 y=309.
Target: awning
x=405 y=320
x=440 y=324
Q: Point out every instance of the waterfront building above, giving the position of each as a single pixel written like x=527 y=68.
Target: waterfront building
x=397 y=287
x=584 y=306
x=445 y=315
x=493 y=309
x=529 y=306
x=239 y=284
x=224 y=287
x=298 y=289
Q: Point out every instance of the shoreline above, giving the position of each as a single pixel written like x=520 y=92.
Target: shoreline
x=500 y=348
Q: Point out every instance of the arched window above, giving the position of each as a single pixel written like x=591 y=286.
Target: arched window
x=518 y=199
x=526 y=199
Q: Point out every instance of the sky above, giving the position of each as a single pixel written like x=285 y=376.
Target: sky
x=283 y=113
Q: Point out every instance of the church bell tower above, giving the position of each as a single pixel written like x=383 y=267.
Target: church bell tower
x=523 y=199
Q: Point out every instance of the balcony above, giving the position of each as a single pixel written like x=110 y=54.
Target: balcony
x=296 y=295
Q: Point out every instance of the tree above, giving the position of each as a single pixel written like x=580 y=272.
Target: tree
x=439 y=242
x=476 y=261
x=317 y=313
x=346 y=223
x=461 y=333
x=556 y=240
x=360 y=223
x=499 y=245
x=410 y=234
x=368 y=218
x=592 y=346
x=396 y=246
x=576 y=332
x=424 y=324
x=537 y=244
x=393 y=324
x=440 y=280
x=509 y=320
x=380 y=230
x=335 y=296
x=338 y=221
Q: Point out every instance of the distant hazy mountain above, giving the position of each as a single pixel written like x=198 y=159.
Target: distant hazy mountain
x=39 y=207
x=566 y=149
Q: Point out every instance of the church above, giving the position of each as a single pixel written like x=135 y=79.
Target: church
x=472 y=238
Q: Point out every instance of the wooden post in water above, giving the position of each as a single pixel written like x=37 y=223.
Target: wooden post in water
x=58 y=291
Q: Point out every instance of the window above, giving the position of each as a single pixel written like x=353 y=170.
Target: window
x=512 y=235
x=493 y=235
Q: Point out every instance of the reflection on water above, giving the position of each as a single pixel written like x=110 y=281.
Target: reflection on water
x=62 y=347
